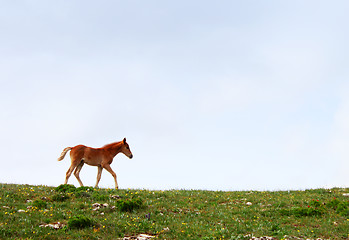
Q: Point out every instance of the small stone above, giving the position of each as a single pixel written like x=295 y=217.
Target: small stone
x=56 y=225
x=96 y=205
x=249 y=204
x=21 y=210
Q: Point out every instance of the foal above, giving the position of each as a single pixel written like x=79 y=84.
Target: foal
x=100 y=157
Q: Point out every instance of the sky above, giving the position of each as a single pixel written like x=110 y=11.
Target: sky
x=227 y=95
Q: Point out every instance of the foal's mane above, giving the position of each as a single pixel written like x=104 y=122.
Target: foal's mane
x=112 y=145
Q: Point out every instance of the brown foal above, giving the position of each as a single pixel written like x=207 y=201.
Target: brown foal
x=100 y=157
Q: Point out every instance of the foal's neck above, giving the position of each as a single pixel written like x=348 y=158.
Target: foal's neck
x=113 y=148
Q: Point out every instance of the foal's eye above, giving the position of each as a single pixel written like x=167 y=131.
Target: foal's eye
x=127 y=148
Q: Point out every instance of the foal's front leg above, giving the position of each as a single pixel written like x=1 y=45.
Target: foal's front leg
x=108 y=168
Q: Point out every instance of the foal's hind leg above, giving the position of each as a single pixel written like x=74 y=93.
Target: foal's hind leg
x=99 y=174
x=70 y=170
x=77 y=172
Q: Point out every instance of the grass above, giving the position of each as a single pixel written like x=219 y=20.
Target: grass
x=175 y=214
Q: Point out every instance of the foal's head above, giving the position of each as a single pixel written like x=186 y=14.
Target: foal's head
x=125 y=149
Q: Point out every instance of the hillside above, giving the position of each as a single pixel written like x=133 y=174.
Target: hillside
x=66 y=212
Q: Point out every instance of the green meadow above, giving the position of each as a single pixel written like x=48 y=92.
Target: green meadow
x=67 y=212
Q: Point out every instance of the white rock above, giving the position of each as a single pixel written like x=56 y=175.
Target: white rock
x=56 y=225
x=96 y=205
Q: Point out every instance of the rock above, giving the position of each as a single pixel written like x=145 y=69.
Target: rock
x=56 y=225
x=249 y=204
x=139 y=237
x=263 y=238
x=21 y=210
x=96 y=205
x=346 y=194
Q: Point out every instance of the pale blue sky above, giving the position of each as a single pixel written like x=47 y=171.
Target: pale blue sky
x=224 y=95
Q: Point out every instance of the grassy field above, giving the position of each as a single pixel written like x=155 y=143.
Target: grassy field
x=66 y=212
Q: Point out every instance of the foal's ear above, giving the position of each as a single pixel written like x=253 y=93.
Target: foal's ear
x=124 y=140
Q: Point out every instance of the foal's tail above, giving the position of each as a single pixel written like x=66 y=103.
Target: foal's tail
x=65 y=150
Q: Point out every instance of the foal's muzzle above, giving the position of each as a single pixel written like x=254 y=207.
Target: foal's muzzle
x=131 y=156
